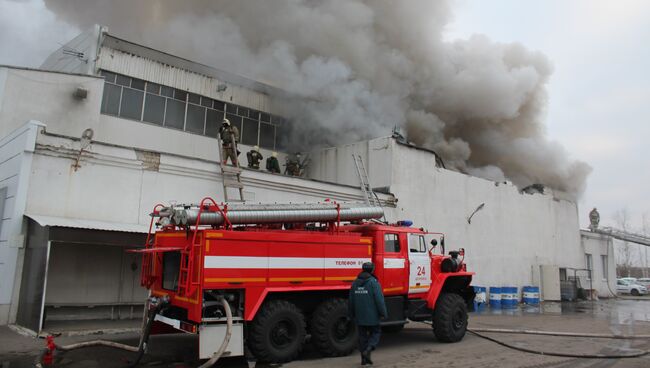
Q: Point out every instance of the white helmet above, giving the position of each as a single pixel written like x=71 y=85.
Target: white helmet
x=274 y=154
x=256 y=148
x=226 y=121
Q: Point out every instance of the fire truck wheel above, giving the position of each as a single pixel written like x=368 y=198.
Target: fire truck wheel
x=332 y=332
x=278 y=332
x=450 y=318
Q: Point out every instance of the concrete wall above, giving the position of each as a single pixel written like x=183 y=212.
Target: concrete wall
x=122 y=185
x=598 y=245
x=16 y=151
x=27 y=94
x=506 y=242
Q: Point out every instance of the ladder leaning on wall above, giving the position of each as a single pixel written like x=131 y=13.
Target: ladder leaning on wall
x=371 y=197
x=230 y=175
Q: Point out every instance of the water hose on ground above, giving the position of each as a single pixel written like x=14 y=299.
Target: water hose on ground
x=140 y=349
x=217 y=354
x=638 y=353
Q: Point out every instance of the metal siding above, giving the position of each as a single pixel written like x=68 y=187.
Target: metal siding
x=138 y=67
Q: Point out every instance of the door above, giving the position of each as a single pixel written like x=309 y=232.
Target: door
x=419 y=264
x=550 y=282
x=394 y=275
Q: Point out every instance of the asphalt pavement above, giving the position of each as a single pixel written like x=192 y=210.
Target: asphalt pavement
x=415 y=346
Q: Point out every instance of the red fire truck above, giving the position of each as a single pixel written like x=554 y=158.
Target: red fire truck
x=268 y=276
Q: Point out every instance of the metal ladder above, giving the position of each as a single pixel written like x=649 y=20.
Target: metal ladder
x=371 y=197
x=230 y=176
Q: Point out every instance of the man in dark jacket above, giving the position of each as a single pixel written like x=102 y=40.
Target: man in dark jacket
x=366 y=307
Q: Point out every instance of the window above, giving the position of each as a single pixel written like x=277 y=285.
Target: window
x=139 y=100
x=267 y=136
x=231 y=108
x=391 y=243
x=108 y=76
x=153 y=88
x=171 y=266
x=111 y=100
x=137 y=84
x=195 y=99
x=603 y=260
x=131 y=103
x=416 y=244
x=123 y=80
x=207 y=102
x=195 y=119
x=589 y=263
x=249 y=132
x=154 y=109
x=175 y=114
x=180 y=95
x=213 y=121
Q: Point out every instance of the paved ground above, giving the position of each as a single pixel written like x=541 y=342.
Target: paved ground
x=413 y=347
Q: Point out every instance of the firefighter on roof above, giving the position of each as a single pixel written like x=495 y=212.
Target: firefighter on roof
x=594 y=218
x=366 y=307
x=229 y=139
x=294 y=165
x=254 y=157
x=272 y=164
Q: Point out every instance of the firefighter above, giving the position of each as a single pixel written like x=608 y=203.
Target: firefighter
x=293 y=166
x=594 y=218
x=366 y=307
x=229 y=140
x=272 y=164
x=254 y=157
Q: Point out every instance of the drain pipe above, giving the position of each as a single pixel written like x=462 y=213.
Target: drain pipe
x=226 y=339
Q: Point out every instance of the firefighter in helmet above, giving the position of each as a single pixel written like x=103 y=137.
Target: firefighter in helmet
x=229 y=140
x=272 y=163
x=366 y=307
x=254 y=157
x=594 y=218
x=294 y=165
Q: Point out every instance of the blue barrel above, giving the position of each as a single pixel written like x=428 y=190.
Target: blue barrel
x=495 y=297
x=531 y=295
x=509 y=297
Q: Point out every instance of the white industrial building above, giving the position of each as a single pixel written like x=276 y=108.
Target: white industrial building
x=70 y=212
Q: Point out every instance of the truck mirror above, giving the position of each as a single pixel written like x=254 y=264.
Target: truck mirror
x=434 y=242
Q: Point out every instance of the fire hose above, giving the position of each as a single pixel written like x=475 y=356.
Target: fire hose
x=636 y=354
x=142 y=345
x=46 y=356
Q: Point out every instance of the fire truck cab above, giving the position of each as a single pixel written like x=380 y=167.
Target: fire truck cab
x=286 y=281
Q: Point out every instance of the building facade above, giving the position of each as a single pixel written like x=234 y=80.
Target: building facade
x=72 y=208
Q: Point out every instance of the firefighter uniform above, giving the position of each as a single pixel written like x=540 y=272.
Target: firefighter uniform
x=272 y=163
x=229 y=139
x=254 y=157
x=294 y=166
x=366 y=307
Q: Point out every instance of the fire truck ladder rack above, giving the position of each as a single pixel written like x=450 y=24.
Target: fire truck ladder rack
x=189 y=281
x=230 y=175
x=371 y=197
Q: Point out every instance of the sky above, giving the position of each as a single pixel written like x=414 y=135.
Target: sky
x=599 y=93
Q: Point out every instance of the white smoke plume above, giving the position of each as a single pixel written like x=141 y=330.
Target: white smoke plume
x=358 y=68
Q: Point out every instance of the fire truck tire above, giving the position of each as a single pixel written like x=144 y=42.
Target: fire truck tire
x=450 y=318
x=332 y=332
x=277 y=333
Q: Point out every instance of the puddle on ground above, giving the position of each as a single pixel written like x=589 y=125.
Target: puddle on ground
x=617 y=311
